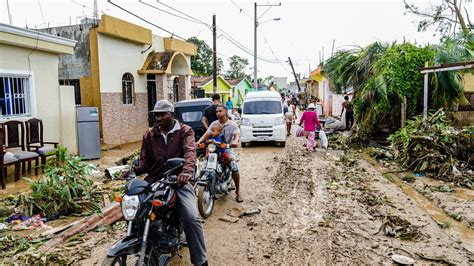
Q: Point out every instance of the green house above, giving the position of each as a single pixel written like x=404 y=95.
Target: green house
x=240 y=87
x=205 y=84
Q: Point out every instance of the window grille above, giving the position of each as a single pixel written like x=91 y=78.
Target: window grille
x=15 y=96
x=127 y=89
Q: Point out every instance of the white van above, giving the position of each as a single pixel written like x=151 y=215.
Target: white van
x=262 y=118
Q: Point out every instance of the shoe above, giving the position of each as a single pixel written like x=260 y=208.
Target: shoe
x=239 y=198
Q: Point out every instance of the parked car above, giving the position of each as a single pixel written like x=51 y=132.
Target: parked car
x=262 y=118
x=190 y=112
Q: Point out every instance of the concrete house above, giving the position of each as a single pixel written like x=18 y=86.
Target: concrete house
x=125 y=70
x=29 y=84
x=205 y=84
x=240 y=88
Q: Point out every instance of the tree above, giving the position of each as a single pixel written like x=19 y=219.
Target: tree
x=237 y=67
x=201 y=63
x=268 y=80
x=447 y=17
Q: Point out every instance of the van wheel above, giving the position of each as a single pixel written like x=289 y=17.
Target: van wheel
x=282 y=144
x=244 y=144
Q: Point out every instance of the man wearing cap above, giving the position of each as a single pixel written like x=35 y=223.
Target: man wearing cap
x=170 y=139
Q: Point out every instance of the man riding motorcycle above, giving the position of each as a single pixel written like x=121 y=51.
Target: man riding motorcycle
x=170 y=139
x=230 y=133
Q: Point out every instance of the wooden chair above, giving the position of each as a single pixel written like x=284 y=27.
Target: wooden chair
x=15 y=139
x=6 y=161
x=35 y=142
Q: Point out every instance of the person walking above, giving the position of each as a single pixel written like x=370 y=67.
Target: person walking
x=310 y=122
x=230 y=106
x=349 y=112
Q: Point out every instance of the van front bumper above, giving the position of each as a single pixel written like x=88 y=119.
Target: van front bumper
x=273 y=133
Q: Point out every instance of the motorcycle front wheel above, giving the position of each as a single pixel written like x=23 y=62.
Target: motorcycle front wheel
x=119 y=260
x=205 y=201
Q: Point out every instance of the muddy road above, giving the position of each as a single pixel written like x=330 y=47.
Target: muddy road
x=325 y=207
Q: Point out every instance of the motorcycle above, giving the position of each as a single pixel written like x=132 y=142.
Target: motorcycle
x=215 y=177
x=153 y=234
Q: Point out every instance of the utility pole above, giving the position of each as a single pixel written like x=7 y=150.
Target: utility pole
x=294 y=73
x=255 y=83
x=214 y=56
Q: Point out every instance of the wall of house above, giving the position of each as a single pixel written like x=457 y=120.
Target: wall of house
x=468 y=82
x=121 y=123
x=68 y=132
x=78 y=64
x=46 y=95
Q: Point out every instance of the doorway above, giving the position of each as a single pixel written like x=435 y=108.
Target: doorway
x=151 y=91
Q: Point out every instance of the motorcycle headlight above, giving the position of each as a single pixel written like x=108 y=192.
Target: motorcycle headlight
x=279 y=121
x=245 y=122
x=211 y=147
x=130 y=206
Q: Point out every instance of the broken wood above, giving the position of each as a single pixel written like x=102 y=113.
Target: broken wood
x=109 y=215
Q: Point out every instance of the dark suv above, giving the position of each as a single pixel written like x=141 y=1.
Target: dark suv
x=190 y=112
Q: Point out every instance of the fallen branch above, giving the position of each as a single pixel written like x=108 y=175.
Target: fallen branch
x=109 y=215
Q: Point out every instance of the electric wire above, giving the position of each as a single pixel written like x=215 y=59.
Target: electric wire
x=182 y=13
x=167 y=12
x=151 y=23
x=228 y=36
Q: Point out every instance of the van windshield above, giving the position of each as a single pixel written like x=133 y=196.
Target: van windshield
x=262 y=107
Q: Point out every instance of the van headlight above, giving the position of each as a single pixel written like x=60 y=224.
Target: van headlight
x=130 y=206
x=245 y=122
x=279 y=121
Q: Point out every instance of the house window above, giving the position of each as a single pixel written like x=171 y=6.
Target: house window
x=127 y=89
x=15 y=95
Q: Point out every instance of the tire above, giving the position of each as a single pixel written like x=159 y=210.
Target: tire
x=244 y=144
x=205 y=201
x=282 y=144
x=120 y=260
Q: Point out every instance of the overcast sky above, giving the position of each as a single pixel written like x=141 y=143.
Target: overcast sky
x=304 y=30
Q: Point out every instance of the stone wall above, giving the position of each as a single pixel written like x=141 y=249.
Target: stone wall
x=123 y=123
x=77 y=65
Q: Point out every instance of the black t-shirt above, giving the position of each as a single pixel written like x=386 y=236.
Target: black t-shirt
x=210 y=114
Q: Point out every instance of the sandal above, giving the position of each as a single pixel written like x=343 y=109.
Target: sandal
x=239 y=199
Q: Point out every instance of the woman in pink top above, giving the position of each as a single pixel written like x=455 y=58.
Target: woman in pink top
x=311 y=121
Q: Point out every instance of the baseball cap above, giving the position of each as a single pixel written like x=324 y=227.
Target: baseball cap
x=163 y=106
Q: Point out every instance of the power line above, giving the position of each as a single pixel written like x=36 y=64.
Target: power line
x=182 y=13
x=225 y=34
x=167 y=12
x=137 y=16
x=241 y=10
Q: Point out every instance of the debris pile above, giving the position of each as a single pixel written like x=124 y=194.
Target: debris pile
x=438 y=149
x=65 y=188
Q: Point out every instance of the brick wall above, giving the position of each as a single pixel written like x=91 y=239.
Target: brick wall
x=123 y=123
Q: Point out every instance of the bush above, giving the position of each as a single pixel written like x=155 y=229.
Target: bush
x=66 y=187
